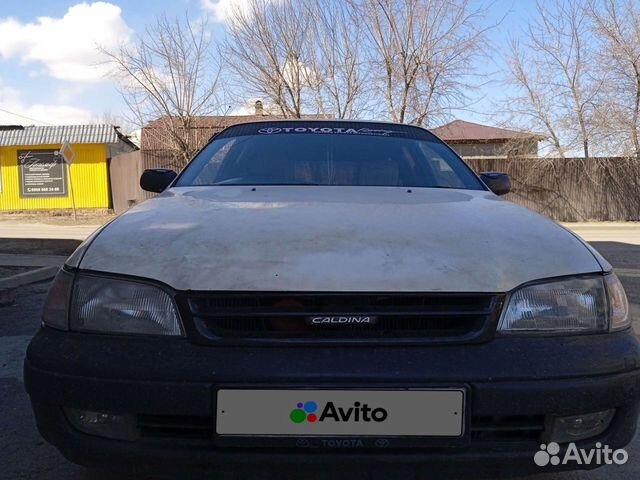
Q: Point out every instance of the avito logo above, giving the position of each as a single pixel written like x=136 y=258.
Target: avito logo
x=304 y=411
x=359 y=412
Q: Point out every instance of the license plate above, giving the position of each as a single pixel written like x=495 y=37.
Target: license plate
x=299 y=412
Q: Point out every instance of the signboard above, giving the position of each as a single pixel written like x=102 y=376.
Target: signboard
x=42 y=173
x=67 y=152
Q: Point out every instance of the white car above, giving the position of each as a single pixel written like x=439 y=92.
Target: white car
x=320 y=295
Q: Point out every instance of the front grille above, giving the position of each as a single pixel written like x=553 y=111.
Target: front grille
x=507 y=428
x=435 y=317
x=175 y=426
x=514 y=428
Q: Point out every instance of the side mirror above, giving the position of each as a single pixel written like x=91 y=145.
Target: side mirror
x=156 y=180
x=498 y=182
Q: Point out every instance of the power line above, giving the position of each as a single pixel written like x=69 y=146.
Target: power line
x=24 y=116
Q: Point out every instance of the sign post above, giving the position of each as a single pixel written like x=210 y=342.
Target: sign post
x=69 y=155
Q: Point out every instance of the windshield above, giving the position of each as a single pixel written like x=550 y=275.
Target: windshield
x=304 y=158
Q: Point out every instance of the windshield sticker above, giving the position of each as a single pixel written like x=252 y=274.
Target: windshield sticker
x=339 y=130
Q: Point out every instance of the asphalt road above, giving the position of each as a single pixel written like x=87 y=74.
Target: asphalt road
x=24 y=455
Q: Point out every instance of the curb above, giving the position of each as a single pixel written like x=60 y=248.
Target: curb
x=8 y=285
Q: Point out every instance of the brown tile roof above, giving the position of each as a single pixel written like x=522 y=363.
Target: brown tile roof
x=204 y=127
x=463 y=131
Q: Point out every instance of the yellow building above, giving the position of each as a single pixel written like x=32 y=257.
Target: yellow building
x=34 y=176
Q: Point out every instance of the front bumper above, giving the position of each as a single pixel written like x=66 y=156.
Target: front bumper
x=527 y=379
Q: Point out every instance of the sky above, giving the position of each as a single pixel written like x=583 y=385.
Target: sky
x=52 y=73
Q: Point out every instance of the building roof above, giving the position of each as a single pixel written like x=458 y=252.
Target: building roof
x=462 y=131
x=221 y=122
x=155 y=136
x=58 y=134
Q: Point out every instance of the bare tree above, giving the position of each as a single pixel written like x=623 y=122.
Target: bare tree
x=266 y=50
x=553 y=69
x=534 y=106
x=169 y=75
x=322 y=55
x=337 y=68
x=424 y=50
x=617 y=23
x=562 y=39
x=299 y=56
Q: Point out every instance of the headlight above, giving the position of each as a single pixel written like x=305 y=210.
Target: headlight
x=579 y=304
x=104 y=304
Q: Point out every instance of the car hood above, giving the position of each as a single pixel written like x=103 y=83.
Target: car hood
x=332 y=239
